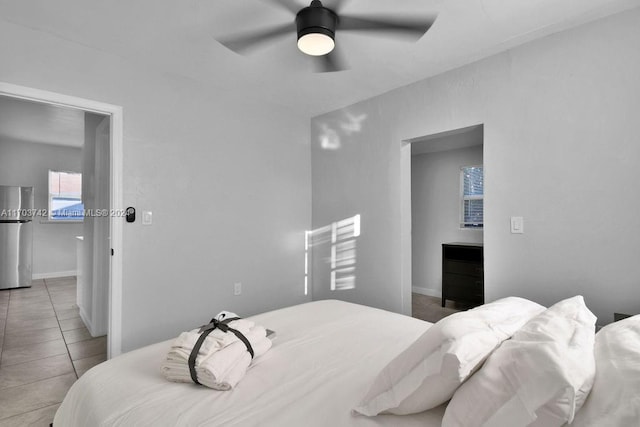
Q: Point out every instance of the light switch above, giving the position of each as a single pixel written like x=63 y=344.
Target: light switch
x=147 y=217
x=517 y=225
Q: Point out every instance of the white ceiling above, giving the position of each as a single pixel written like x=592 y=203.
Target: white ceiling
x=450 y=140
x=177 y=37
x=26 y=121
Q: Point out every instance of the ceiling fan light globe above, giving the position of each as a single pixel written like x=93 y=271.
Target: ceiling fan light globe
x=316 y=44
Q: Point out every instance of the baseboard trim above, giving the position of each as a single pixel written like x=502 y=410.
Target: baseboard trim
x=426 y=291
x=54 y=275
x=86 y=321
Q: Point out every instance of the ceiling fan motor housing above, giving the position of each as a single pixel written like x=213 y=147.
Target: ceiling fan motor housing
x=316 y=19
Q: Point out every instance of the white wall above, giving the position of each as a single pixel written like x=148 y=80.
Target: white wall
x=227 y=181
x=435 y=212
x=27 y=164
x=560 y=149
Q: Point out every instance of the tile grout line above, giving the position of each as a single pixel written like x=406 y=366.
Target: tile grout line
x=33 y=382
x=34 y=409
x=4 y=329
x=38 y=409
x=39 y=340
x=63 y=338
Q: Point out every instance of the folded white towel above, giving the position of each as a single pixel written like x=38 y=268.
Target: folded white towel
x=216 y=356
x=216 y=340
x=222 y=365
x=209 y=372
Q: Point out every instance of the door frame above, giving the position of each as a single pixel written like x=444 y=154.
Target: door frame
x=406 y=237
x=114 y=339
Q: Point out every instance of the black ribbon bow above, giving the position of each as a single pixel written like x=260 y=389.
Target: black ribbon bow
x=204 y=331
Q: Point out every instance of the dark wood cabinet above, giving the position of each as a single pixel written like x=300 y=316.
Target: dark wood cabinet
x=463 y=273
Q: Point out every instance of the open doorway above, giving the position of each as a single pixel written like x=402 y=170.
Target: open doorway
x=101 y=169
x=446 y=209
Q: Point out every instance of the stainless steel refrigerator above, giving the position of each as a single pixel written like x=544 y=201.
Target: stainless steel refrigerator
x=16 y=236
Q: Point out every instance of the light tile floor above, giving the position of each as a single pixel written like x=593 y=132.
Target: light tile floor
x=44 y=348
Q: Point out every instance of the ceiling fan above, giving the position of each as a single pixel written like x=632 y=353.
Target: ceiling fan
x=316 y=27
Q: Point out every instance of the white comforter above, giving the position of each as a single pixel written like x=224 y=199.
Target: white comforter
x=323 y=360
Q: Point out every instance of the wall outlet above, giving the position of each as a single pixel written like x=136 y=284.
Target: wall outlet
x=517 y=225
x=147 y=218
x=237 y=288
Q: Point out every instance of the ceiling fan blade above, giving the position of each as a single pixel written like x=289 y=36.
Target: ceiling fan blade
x=331 y=62
x=335 y=5
x=411 y=27
x=289 y=5
x=250 y=41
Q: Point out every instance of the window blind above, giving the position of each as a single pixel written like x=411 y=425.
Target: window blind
x=472 y=197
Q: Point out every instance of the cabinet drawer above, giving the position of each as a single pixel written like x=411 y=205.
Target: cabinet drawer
x=463 y=287
x=462 y=253
x=463 y=273
x=463 y=294
x=461 y=267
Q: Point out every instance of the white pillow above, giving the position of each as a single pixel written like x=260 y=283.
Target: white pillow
x=615 y=397
x=540 y=377
x=428 y=372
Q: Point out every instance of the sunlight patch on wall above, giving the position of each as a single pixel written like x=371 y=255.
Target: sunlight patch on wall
x=307 y=233
x=329 y=138
x=337 y=242
x=331 y=133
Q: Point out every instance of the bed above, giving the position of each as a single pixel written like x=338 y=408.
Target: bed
x=508 y=363
x=324 y=358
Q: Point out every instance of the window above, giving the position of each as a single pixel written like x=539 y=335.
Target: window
x=65 y=196
x=471 y=197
